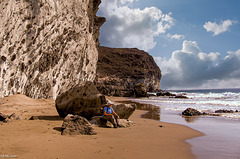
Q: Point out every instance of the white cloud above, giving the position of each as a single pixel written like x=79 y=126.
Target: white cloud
x=175 y=36
x=126 y=1
x=218 y=28
x=132 y=27
x=191 y=68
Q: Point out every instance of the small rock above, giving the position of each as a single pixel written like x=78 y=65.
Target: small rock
x=224 y=111
x=125 y=123
x=181 y=96
x=77 y=125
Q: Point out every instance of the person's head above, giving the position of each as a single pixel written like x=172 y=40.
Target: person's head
x=109 y=104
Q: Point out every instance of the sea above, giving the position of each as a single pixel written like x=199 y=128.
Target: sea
x=222 y=133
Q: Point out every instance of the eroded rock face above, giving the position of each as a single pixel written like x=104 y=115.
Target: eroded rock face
x=140 y=90
x=119 y=69
x=47 y=47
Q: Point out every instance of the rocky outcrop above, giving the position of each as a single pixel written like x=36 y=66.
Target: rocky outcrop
x=83 y=100
x=47 y=47
x=76 y=125
x=225 y=111
x=118 y=70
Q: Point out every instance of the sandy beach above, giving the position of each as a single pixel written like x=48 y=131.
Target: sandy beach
x=42 y=139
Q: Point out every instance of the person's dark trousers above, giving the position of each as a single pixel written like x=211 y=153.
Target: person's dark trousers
x=113 y=119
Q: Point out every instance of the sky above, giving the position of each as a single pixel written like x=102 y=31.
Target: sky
x=195 y=43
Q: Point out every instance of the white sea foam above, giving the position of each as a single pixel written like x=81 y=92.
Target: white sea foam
x=231 y=115
x=201 y=101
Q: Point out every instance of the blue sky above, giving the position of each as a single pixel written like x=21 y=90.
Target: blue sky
x=196 y=43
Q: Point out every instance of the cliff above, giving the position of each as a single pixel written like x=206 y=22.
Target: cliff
x=47 y=47
x=119 y=69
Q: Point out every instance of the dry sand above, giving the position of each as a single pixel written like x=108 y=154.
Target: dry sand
x=41 y=139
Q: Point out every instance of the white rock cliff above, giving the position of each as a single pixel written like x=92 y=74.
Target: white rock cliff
x=46 y=46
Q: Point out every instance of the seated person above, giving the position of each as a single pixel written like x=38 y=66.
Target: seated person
x=110 y=115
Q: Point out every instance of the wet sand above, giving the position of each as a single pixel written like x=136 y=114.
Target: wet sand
x=42 y=139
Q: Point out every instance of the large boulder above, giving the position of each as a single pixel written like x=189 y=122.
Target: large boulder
x=191 y=112
x=124 y=110
x=83 y=100
x=77 y=125
x=140 y=90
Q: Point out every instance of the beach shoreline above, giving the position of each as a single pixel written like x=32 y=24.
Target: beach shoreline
x=42 y=139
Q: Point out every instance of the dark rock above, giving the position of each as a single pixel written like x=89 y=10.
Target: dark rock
x=3 y=117
x=165 y=93
x=119 y=69
x=181 y=96
x=124 y=110
x=224 y=111
x=191 y=112
x=83 y=100
x=140 y=90
x=77 y=125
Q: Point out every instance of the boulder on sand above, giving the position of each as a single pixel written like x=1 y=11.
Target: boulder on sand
x=77 y=125
x=83 y=100
x=124 y=110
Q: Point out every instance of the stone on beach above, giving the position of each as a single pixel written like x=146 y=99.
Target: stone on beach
x=77 y=125
x=191 y=112
x=224 y=111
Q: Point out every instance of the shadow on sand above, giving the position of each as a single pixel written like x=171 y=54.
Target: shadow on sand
x=46 y=117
